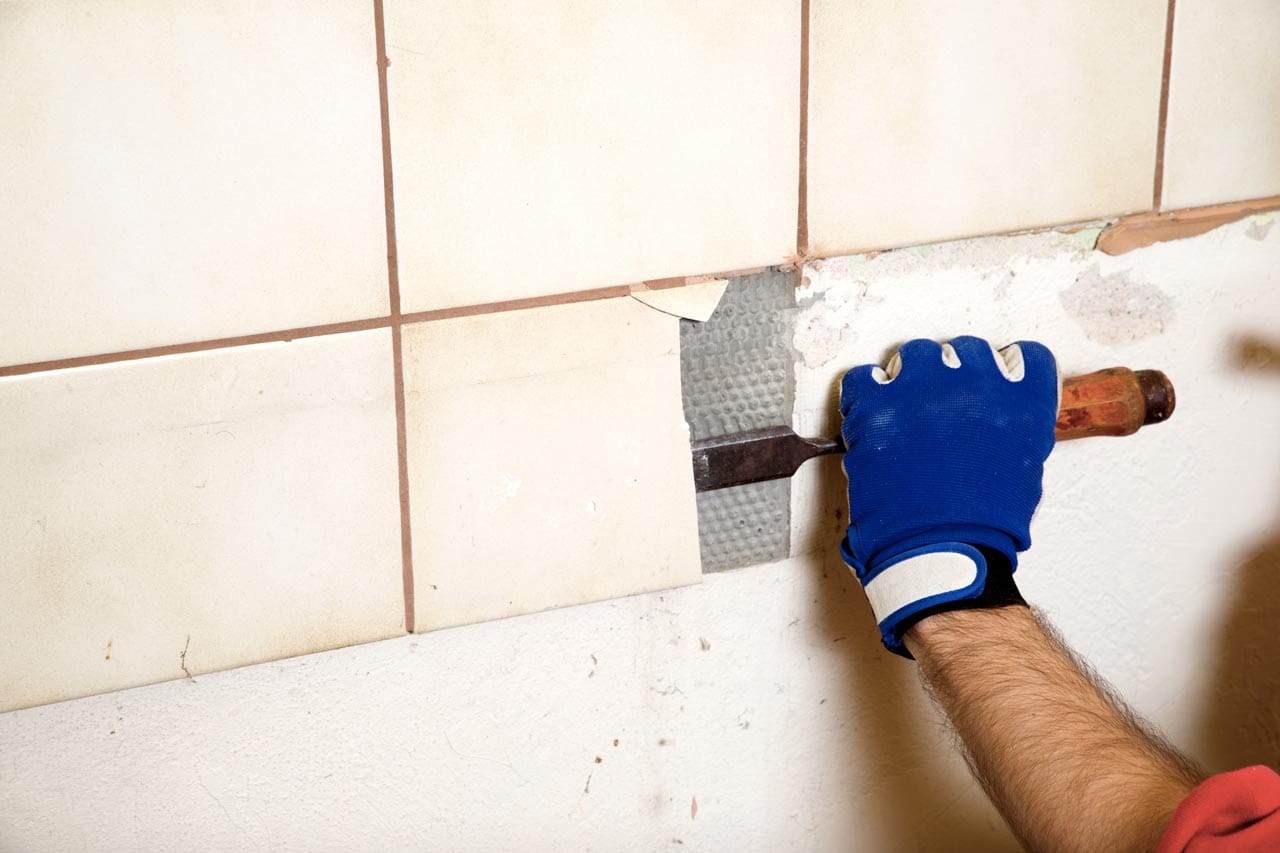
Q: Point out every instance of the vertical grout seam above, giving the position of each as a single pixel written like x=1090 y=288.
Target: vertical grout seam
x=393 y=298
x=388 y=192
x=402 y=471
x=1157 y=192
x=802 y=205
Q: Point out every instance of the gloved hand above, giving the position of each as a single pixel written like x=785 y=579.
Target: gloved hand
x=946 y=449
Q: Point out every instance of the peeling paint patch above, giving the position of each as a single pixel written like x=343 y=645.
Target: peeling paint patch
x=824 y=326
x=820 y=331
x=1003 y=285
x=1087 y=238
x=1115 y=308
x=1259 y=226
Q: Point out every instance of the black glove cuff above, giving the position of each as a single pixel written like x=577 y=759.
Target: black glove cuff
x=999 y=591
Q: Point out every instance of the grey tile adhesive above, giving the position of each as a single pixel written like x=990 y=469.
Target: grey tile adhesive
x=736 y=372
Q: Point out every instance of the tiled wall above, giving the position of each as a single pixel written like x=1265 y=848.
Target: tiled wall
x=287 y=359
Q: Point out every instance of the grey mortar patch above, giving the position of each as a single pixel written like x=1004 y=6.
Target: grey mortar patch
x=737 y=374
x=1116 y=308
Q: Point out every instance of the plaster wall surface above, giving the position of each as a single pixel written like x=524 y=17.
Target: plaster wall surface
x=756 y=711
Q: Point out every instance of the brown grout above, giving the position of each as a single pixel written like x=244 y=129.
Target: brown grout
x=802 y=201
x=686 y=280
x=283 y=335
x=613 y=292
x=1157 y=192
x=393 y=301
x=402 y=468
x=517 y=304
x=1143 y=229
x=388 y=191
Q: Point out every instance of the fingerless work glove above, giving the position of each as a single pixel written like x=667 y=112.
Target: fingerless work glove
x=946 y=449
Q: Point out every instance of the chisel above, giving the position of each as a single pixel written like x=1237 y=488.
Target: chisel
x=1115 y=401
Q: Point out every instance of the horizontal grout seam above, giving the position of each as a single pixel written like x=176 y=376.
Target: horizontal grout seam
x=283 y=335
x=1153 y=223
x=383 y=322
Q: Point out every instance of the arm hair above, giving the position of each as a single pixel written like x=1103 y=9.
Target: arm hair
x=1069 y=766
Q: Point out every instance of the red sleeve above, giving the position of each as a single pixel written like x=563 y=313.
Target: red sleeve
x=1237 y=812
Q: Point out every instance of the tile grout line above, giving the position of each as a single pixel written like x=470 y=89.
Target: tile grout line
x=484 y=308
x=1157 y=192
x=278 y=336
x=402 y=472
x=388 y=191
x=802 y=201
x=396 y=319
x=297 y=332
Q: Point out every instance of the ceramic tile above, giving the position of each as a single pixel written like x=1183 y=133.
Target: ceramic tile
x=548 y=460
x=177 y=172
x=933 y=120
x=1222 y=139
x=691 y=302
x=569 y=145
x=240 y=505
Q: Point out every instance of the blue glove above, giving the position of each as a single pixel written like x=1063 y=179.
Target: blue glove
x=946 y=449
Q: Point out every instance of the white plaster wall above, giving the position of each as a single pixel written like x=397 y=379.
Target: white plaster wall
x=762 y=693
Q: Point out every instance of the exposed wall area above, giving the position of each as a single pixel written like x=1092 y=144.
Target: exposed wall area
x=351 y=352
x=761 y=695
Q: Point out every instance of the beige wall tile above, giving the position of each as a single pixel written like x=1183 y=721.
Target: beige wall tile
x=1222 y=140
x=935 y=120
x=691 y=302
x=568 y=145
x=176 y=172
x=245 y=498
x=548 y=460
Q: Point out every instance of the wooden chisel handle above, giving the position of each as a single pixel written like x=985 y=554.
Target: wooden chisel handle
x=1115 y=401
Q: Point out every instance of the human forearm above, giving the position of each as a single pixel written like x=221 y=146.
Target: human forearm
x=1065 y=764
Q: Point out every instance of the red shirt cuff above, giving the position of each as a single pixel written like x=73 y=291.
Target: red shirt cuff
x=1237 y=812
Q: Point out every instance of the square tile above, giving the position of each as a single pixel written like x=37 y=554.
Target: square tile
x=929 y=121
x=177 y=172
x=207 y=511
x=565 y=145
x=1222 y=139
x=548 y=460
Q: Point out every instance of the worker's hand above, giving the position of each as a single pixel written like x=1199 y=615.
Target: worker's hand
x=946 y=447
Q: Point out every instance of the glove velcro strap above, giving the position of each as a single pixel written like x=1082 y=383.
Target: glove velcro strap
x=921 y=578
x=933 y=579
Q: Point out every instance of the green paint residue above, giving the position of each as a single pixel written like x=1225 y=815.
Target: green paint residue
x=1086 y=238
